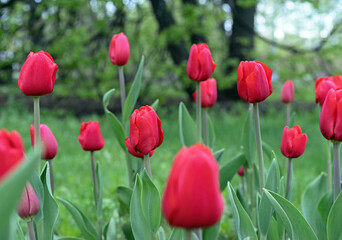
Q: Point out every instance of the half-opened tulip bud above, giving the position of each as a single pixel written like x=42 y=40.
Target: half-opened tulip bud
x=200 y=64
x=48 y=142
x=29 y=203
x=145 y=133
x=119 y=49
x=131 y=149
x=330 y=120
x=208 y=93
x=90 y=136
x=11 y=152
x=192 y=198
x=287 y=92
x=324 y=84
x=254 y=81
x=241 y=171
x=293 y=142
x=38 y=74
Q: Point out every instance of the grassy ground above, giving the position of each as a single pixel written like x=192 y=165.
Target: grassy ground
x=72 y=165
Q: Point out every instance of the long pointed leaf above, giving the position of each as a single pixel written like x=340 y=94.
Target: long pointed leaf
x=228 y=171
x=334 y=229
x=187 y=126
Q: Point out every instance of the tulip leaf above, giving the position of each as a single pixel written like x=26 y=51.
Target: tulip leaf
x=211 y=233
x=218 y=155
x=155 y=104
x=272 y=233
x=124 y=195
x=311 y=199
x=324 y=206
x=248 y=138
x=100 y=190
x=110 y=230
x=20 y=231
x=87 y=228
x=133 y=93
x=177 y=234
x=295 y=224
x=267 y=150
x=117 y=126
x=12 y=187
x=38 y=188
x=228 y=171
x=334 y=230
x=243 y=224
x=187 y=126
x=161 y=234
x=69 y=238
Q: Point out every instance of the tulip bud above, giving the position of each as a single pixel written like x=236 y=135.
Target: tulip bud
x=241 y=171
x=208 y=93
x=293 y=142
x=287 y=92
x=38 y=74
x=254 y=81
x=145 y=133
x=48 y=142
x=192 y=197
x=119 y=49
x=29 y=203
x=200 y=64
x=90 y=136
x=134 y=153
x=11 y=152
x=324 y=84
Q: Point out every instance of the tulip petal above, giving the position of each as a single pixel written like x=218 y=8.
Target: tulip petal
x=328 y=114
x=257 y=85
x=193 y=66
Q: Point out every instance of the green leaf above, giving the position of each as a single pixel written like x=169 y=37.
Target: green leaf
x=212 y=135
x=177 y=234
x=228 y=171
x=312 y=196
x=110 y=230
x=187 y=126
x=161 y=234
x=265 y=210
x=69 y=238
x=133 y=93
x=20 y=231
x=100 y=189
x=155 y=104
x=295 y=224
x=243 y=224
x=38 y=188
x=145 y=213
x=211 y=233
x=334 y=229
x=272 y=233
x=117 y=126
x=124 y=195
x=267 y=151
x=243 y=201
x=87 y=228
x=218 y=155
x=324 y=207
x=247 y=138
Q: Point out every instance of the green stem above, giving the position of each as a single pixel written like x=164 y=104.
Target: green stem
x=147 y=166
x=36 y=113
x=52 y=181
x=31 y=230
x=205 y=126
x=188 y=235
x=329 y=166
x=288 y=179
x=288 y=114
x=243 y=186
x=259 y=144
x=198 y=232
x=93 y=171
x=122 y=87
x=198 y=112
x=250 y=185
x=337 y=171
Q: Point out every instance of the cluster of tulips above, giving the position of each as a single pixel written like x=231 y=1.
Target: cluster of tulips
x=192 y=199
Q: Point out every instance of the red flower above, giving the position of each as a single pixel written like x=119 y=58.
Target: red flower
x=324 y=84
x=134 y=153
x=11 y=152
x=29 y=203
x=192 y=197
x=254 y=81
x=200 y=64
x=145 y=133
x=90 y=136
x=330 y=121
x=119 y=49
x=287 y=92
x=48 y=142
x=208 y=93
x=293 y=142
x=38 y=74
x=241 y=171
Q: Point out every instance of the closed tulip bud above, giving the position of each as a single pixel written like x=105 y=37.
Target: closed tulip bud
x=293 y=142
x=208 y=93
x=29 y=203
x=241 y=171
x=48 y=142
x=254 y=81
x=38 y=74
x=134 y=153
x=200 y=64
x=11 y=152
x=90 y=136
x=324 y=84
x=145 y=133
x=192 y=197
x=119 y=49
x=287 y=92
x=330 y=121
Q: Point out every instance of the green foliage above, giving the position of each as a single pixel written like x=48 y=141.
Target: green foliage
x=228 y=171
x=334 y=232
x=187 y=126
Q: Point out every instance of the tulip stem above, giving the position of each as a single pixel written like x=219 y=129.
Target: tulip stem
x=122 y=87
x=198 y=112
x=31 y=230
x=288 y=113
x=243 y=186
x=94 y=177
x=188 y=234
x=205 y=126
x=36 y=113
x=198 y=232
x=147 y=166
x=259 y=144
x=329 y=166
x=337 y=171
x=288 y=179
x=250 y=185
x=52 y=182
x=129 y=169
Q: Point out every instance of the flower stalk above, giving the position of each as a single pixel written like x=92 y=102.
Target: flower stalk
x=36 y=113
x=93 y=170
x=198 y=112
x=259 y=144
x=122 y=87
x=31 y=230
x=147 y=166
x=52 y=181
x=205 y=126
x=288 y=179
x=288 y=113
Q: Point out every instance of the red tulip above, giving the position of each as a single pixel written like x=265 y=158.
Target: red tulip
x=324 y=84
x=200 y=64
x=192 y=198
x=134 y=153
x=254 y=81
x=29 y=203
x=48 y=142
x=11 y=152
x=241 y=171
x=208 y=93
x=145 y=133
x=330 y=120
x=293 y=142
x=90 y=136
x=287 y=92
x=38 y=74
x=119 y=49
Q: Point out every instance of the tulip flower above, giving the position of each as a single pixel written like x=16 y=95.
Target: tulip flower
x=192 y=198
x=119 y=49
x=208 y=93
x=324 y=84
x=287 y=92
x=90 y=136
x=29 y=203
x=11 y=152
x=134 y=153
x=48 y=142
x=241 y=171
